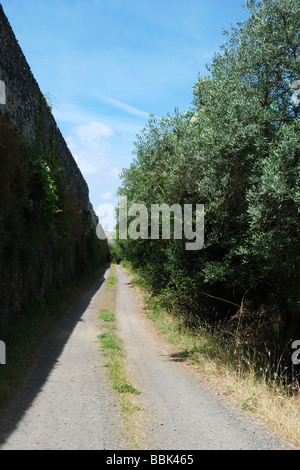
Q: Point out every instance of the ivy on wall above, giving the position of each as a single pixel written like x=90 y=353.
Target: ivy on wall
x=46 y=237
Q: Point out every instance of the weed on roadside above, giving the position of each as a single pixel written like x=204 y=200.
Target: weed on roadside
x=106 y=315
x=116 y=368
x=232 y=374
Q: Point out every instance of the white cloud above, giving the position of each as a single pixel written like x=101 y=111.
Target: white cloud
x=93 y=132
x=116 y=172
x=107 y=216
x=124 y=107
x=90 y=145
x=107 y=196
x=71 y=143
x=88 y=167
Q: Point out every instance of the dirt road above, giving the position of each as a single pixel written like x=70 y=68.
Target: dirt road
x=182 y=413
x=69 y=403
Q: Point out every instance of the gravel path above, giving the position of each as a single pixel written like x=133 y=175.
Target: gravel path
x=183 y=414
x=68 y=404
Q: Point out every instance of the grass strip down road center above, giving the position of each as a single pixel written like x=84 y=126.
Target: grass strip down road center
x=121 y=382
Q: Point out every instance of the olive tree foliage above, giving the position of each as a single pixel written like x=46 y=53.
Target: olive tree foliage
x=236 y=150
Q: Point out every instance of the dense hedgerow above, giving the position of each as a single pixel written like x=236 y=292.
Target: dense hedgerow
x=236 y=150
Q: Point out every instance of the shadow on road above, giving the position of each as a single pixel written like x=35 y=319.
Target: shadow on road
x=32 y=385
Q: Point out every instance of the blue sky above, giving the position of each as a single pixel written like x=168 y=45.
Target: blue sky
x=108 y=64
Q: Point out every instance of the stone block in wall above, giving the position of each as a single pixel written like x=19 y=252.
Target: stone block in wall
x=21 y=102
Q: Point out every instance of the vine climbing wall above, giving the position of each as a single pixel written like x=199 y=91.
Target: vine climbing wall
x=47 y=223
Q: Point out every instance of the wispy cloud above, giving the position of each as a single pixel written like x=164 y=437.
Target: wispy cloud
x=89 y=144
x=116 y=172
x=107 y=196
x=69 y=114
x=93 y=131
x=127 y=108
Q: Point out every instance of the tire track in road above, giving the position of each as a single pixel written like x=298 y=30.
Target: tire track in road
x=182 y=413
x=68 y=402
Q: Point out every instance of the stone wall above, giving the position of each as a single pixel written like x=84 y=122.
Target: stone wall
x=23 y=101
x=47 y=223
